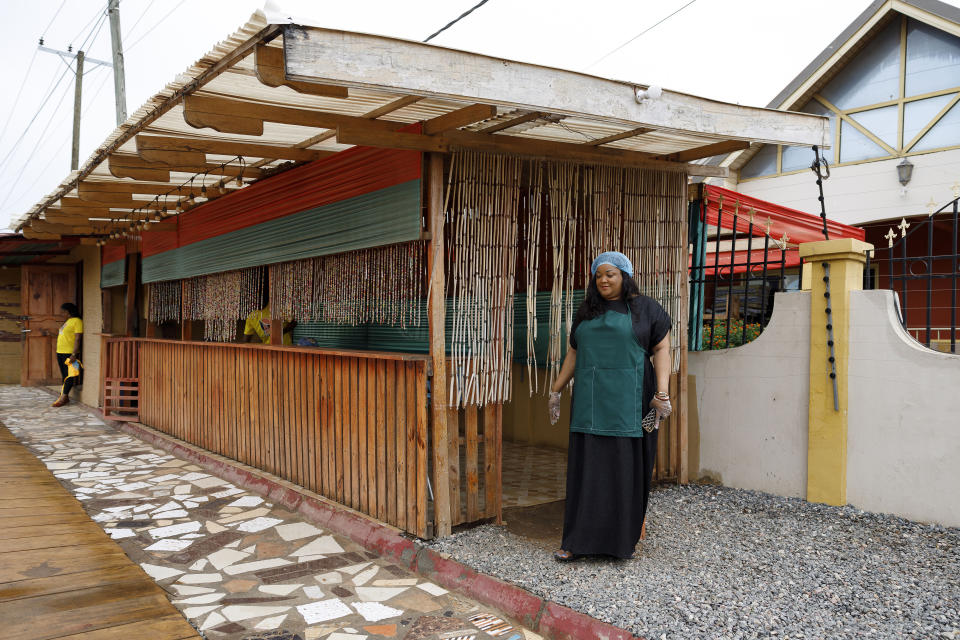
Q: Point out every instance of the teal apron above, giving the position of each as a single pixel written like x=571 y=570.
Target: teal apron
x=608 y=379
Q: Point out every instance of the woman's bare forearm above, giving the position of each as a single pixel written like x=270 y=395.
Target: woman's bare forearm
x=662 y=364
x=566 y=370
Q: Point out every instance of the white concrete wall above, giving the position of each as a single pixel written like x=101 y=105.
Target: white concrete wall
x=903 y=448
x=860 y=193
x=752 y=404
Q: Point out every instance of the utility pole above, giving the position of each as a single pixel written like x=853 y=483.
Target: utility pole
x=119 y=79
x=78 y=90
x=77 y=103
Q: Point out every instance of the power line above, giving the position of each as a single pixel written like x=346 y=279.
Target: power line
x=90 y=22
x=155 y=25
x=23 y=167
x=90 y=37
x=49 y=24
x=456 y=20
x=140 y=19
x=647 y=30
x=16 y=101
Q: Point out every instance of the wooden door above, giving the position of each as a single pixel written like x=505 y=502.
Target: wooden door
x=43 y=288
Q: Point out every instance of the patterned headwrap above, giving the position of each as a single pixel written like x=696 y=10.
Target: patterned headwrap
x=614 y=258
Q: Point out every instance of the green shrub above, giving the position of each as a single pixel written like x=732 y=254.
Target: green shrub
x=717 y=339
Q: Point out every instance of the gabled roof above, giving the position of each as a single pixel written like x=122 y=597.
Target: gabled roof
x=851 y=41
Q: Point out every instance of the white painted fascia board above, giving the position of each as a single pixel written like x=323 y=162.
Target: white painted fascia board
x=389 y=64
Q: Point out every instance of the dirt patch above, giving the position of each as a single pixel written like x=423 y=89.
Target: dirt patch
x=542 y=524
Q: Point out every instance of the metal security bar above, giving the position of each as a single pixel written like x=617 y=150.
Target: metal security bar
x=921 y=265
x=735 y=268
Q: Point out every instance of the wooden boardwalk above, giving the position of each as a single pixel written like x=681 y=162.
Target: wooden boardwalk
x=61 y=576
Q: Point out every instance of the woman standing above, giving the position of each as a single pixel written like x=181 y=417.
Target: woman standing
x=69 y=340
x=619 y=358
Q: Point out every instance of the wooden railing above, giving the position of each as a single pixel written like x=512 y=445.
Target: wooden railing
x=120 y=367
x=351 y=426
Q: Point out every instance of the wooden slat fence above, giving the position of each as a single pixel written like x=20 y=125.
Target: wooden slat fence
x=121 y=375
x=351 y=426
x=475 y=458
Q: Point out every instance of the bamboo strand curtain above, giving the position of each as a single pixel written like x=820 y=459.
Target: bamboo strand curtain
x=568 y=213
x=381 y=285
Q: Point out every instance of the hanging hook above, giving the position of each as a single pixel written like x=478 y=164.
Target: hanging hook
x=819 y=160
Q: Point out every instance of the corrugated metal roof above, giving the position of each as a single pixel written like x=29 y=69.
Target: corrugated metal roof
x=229 y=72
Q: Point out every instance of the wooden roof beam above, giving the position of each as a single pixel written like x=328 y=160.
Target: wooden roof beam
x=269 y=68
x=123 y=165
x=32 y=234
x=513 y=122
x=247 y=118
x=329 y=56
x=93 y=190
x=75 y=220
x=706 y=151
x=639 y=131
x=445 y=142
x=99 y=228
x=192 y=151
x=459 y=118
x=78 y=204
x=125 y=200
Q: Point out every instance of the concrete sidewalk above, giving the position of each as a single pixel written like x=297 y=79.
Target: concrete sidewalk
x=236 y=565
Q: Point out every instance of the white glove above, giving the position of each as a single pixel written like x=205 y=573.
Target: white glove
x=663 y=407
x=554 y=406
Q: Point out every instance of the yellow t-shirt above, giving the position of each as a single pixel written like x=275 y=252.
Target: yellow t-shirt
x=67 y=337
x=258 y=324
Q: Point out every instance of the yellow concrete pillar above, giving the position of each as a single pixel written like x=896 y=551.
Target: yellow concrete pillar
x=827 y=427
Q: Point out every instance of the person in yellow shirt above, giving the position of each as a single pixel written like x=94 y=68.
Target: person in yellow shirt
x=69 y=341
x=258 y=326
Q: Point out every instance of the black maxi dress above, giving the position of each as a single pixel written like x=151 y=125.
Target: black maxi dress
x=609 y=477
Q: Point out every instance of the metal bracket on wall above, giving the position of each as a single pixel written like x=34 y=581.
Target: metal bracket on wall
x=830 y=341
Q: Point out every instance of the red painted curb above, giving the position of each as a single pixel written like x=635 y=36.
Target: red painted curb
x=564 y=623
x=517 y=603
x=548 y=618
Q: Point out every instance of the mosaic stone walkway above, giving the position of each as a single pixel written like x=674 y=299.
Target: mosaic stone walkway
x=236 y=566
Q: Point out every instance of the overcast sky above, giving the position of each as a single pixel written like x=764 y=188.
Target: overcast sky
x=742 y=51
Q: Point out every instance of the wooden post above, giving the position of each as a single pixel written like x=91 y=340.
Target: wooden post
x=681 y=403
x=436 y=312
x=276 y=330
x=106 y=300
x=131 y=327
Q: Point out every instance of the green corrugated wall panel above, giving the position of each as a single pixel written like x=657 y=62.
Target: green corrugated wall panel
x=416 y=339
x=332 y=336
x=542 y=342
x=113 y=274
x=383 y=217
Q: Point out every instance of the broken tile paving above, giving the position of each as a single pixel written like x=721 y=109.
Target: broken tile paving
x=237 y=566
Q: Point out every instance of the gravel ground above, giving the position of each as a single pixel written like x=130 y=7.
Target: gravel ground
x=728 y=563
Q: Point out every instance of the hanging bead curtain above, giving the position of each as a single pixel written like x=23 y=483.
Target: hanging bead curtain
x=221 y=299
x=589 y=209
x=382 y=285
x=482 y=202
x=164 y=301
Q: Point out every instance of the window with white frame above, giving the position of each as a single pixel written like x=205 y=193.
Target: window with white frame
x=898 y=97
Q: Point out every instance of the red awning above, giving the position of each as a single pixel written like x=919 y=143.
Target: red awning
x=799 y=226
